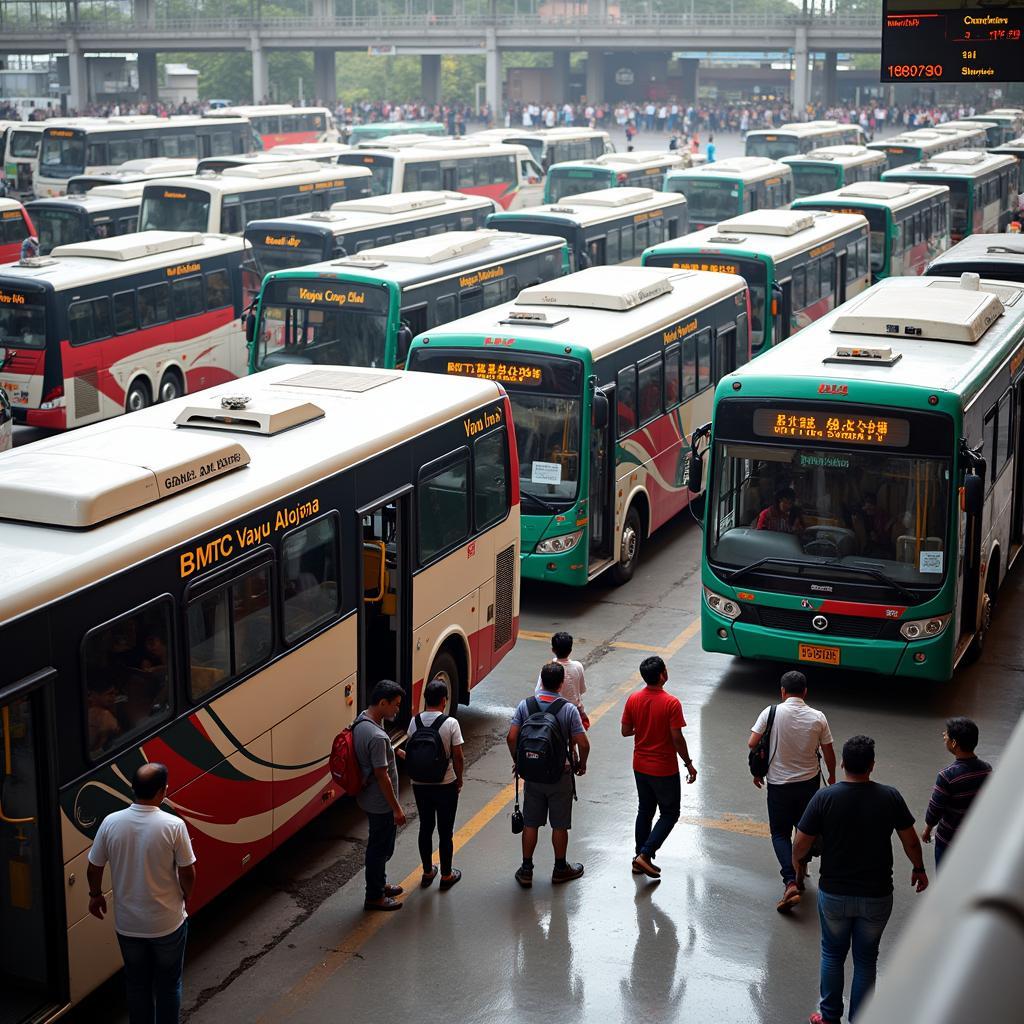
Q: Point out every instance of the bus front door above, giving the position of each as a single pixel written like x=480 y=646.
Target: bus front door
x=31 y=906
x=601 y=513
x=1017 y=514
x=384 y=619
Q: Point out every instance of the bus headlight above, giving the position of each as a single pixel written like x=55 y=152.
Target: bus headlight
x=722 y=605
x=558 y=545
x=923 y=629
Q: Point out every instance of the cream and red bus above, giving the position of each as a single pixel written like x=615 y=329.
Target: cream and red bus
x=281 y=124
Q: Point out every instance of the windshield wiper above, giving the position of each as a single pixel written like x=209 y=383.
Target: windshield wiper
x=543 y=504
x=737 y=573
x=907 y=595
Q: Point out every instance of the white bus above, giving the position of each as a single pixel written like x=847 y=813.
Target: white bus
x=99 y=213
x=103 y=327
x=281 y=124
x=319 y=152
x=217 y=584
x=132 y=171
x=552 y=145
x=20 y=156
x=832 y=167
x=226 y=201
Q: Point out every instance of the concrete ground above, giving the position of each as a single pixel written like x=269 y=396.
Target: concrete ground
x=292 y=943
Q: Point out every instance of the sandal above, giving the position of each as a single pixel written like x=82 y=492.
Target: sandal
x=452 y=879
x=427 y=880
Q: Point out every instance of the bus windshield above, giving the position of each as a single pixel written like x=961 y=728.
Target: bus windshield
x=62 y=155
x=322 y=323
x=811 y=181
x=22 y=320
x=710 y=201
x=24 y=144
x=58 y=227
x=269 y=259
x=866 y=511
x=562 y=184
x=773 y=146
x=381 y=167
x=174 y=209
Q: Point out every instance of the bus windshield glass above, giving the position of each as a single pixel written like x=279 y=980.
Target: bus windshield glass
x=381 y=167
x=285 y=250
x=812 y=181
x=58 y=227
x=775 y=147
x=322 y=323
x=174 y=209
x=62 y=153
x=24 y=144
x=22 y=319
x=564 y=183
x=710 y=201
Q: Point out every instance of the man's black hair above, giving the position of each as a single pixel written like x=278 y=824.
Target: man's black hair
x=561 y=644
x=149 y=779
x=785 y=492
x=963 y=732
x=651 y=669
x=793 y=683
x=858 y=754
x=552 y=675
x=435 y=693
x=385 y=689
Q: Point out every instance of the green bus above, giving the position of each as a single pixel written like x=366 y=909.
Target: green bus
x=608 y=371
x=365 y=309
x=797 y=264
x=393 y=129
x=640 y=169
x=909 y=222
x=832 y=167
x=865 y=483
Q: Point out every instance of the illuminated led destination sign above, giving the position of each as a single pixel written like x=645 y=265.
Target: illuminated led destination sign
x=839 y=427
x=942 y=41
x=502 y=372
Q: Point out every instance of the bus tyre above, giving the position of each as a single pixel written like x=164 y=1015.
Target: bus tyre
x=138 y=396
x=446 y=669
x=170 y=387
x=977 y=648
x=629 y=552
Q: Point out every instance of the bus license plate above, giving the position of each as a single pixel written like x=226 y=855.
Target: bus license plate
x=819 y=655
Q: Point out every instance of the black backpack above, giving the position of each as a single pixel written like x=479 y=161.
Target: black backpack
x=759 y=758
x=542 y=747
x=426 y=760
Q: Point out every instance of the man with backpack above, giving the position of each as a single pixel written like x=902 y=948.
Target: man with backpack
x=548 y=745
x=434 y=761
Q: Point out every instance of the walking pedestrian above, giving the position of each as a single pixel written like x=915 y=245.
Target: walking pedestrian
x=712 y=149
x=856 y=820
x=956 y=785
x=574 y=685
x=655 y=720
x=798 y=732
x=437 y=799
x=379 y=795
x=153 y=872
x=561 y=743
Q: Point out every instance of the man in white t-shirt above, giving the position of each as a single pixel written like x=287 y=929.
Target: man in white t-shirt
x=798 y=733
x=574 y=684
x=439 y=801
x=152 y=867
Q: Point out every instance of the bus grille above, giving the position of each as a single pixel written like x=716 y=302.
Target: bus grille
x=87 y=394
x=504 y=595
x=800 y=622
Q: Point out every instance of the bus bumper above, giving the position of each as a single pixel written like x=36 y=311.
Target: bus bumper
x=51 y=419
x=569 y=568
x=882 y=657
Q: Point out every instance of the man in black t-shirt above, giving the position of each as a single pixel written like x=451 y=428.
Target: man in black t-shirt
x=855 y=819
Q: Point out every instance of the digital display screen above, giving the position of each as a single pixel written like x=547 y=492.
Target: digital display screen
x=502 y=372
x=715 y=268
x=552 y=375
x=330 y=293
x=841 y=427
x=943 y=41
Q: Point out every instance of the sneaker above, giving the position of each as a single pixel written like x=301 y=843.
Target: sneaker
x=427 y=880
x=448 y=881
x=566 y=874
x=524 y=876
x=384 y=903
x=644 y=865
x=790 y=898
x=393 y=890
x=816 y=1018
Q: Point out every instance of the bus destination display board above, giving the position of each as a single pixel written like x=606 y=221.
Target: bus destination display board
x=852 y=426
x=941 y=41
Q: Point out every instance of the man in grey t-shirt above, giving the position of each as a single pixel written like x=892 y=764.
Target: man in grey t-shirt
x=379 y=795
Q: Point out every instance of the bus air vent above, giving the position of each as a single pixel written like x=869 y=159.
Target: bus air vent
x=274 y=170
x=614 y=197
x=131 y=247
x=331 y=216
x=613 y=288
x=561 y=209
x=360 y=260
x=521 y=318
x=769 y=222
x=949 y=314
x=874 y=190
x=867 y=355
x=962 y=157
x=266 y=415
x=1008 y=294
x=338 y=380
x=82 y=483
x=401 y=202
x=435 y=248
x=728 y=239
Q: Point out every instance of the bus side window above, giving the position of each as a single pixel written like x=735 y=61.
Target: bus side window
x=1004 y=434
x=813 y=282
x=188 y=297
x=90 y=320
x=799 y=288
x=725 y=346
x=231 y=222
x=218 y=289
x=704 y=359
x=828 y=274
x=628 y=248
x=403 y=236
x=467 y=222
x=625 y=400
x=154 y=305
x=128 y=669
x=471 y=301
x=490 y=479
x=649 y=373
x=96 y=155
x=673 y=376
x=689 y=367
x=988 y=449
x=641 y=238
x=443 y=505
x=310 y=593
x=125 y=320
x=447 y=309
x=611 y=249
x=128 y=225
x=742 y=341
x=897 y=238
x=436 y=229
x=301 y=202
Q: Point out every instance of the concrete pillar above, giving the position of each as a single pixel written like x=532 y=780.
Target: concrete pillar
x=78 y=77
x=595 y=76
x=325 y=77
x=149 y=85
x=560 y=78
x=801 y=76
x=830 y=78
x=492 y=76
x=430 y=78
x=323 y=10
x=260 y=77
x=144 y=13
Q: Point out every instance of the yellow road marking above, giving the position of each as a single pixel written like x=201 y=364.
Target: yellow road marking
x=626 y=645
x=529 y=634
x=731 y=823
x=368 y=926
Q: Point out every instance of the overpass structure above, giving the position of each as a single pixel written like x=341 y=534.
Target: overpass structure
x=144 y=28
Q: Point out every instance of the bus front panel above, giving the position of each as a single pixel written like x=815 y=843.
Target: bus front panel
x=174 y=208
x=710 y=201
x=30 y=371
x=813 y=179
x=277 y=248
x=562 y=182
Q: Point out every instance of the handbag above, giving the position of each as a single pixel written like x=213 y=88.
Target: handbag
x=517 y=815
x=759 y=757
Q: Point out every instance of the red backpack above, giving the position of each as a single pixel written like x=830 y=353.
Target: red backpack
x=343 y=762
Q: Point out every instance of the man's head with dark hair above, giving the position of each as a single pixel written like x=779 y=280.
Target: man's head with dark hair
x=149 y=780
x=859 y=755
x=794 y=684
x=652 y=670
x=784 y=494
x=435 y=693
x=552 y=675
x=963 y=733
x=561 y=645
x=386 y=697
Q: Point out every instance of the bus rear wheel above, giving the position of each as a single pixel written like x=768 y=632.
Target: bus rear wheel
x=629 y=551
x=446 y=669
x=170 y=387
x=138 y=396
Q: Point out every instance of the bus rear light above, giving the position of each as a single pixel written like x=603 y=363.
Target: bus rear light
x=722 y=605
x=923 y=629
x=54 y=398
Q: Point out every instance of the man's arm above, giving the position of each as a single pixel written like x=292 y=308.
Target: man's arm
x=679 y=742
x=187 y=880
x=801 y=848
x=512 y=740
x=828 y=752
x=936 y=809
x=912 y=848
x=459 y=764
x=384 y=781
x=97 y=901
x=582 y=745
x=755 y=738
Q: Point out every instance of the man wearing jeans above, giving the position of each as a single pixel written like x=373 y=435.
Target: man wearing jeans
x=655 y=720
x=856 y=820
x=798 y=733
x=153 y=871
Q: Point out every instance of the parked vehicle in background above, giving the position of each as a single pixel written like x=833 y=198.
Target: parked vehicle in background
x=552 y=145
x=318 y=152
x=727 y=188
x=916 y=146
x=20 y=157
x=993 y=257
x=131 y=172
x=393 y=130
x=832 y=167
x=801 y=137
x=1009 y=119
x=100 y=213
x=640 y=169
x=15 y=226
x=280 y=124
x=6 y=422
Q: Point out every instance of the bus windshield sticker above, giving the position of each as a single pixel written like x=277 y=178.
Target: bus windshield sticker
x=546 y=473
x=930 y=561
x=807 y=425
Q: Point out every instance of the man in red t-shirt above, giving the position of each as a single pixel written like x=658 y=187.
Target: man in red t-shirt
x=655 y=720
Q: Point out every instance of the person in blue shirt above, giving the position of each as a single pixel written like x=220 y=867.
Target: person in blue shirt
x=711 y=149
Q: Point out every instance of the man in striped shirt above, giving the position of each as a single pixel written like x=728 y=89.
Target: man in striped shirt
x=956 y=785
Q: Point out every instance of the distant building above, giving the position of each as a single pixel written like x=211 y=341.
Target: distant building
x=181 y=84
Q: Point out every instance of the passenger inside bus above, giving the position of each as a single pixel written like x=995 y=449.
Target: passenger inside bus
x=782 y=515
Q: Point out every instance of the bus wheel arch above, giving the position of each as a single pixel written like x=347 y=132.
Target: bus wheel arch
x=635 y=529
x=139 y=394
x=451 y=662
x=172 y=385
x=988 y=602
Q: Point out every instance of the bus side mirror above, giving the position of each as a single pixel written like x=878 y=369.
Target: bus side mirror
x=974 y=493
x=402 y=344
x=695 y=471
x=776 y=300
x=250 y=326
x=600 y=410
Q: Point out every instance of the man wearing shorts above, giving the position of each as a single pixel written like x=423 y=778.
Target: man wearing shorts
x=551 y=802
